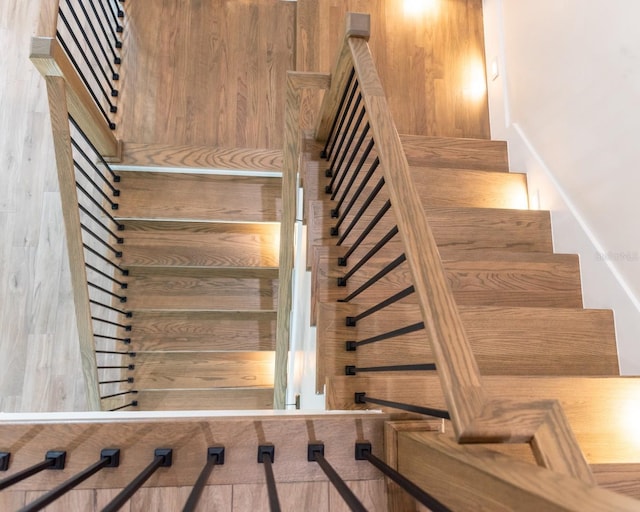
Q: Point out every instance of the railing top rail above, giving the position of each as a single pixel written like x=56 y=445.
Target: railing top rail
x=475 y=416
x=48 y=19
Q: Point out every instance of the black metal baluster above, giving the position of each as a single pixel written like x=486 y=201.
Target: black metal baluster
x=341 y=134
x=342 y=281
x=116 y=178
x=395 y=263
x=113 y=367
x=351 y=346
x=114 y=205
x=91 y=50
x=324 y=153
x=130 y=392
x=119 y=240
x=133 y=403
x=111 y=124
x=351 y=321
x=335 y=230
x=121 y=298
x=315 y=453
x=128 y=380
x=5 y=457
x=104 y=274
x=115 y=14
x=363 y=452
x=112 y=47
x=215 y=457
x=113 y=28
x=97 y=203
x=105 y=259
x=130 y=354
x=336 y=172
x=109 y=458
x=117 y=254
x=127 y=314
x=362 y=398
x=162 y=459
x=114 y=74
x=354 y=174
x=110 y=322
x=52 y=460
x=342 y=260
x=126 y=341
x=266 y=456
x=115 y=191
x=353 y=370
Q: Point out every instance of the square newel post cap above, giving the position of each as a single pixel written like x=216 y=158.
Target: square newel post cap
x=358 y=25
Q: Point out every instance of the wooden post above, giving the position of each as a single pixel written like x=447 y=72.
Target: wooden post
x=56 y=90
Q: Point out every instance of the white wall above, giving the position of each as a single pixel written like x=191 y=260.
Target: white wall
x=567 y=99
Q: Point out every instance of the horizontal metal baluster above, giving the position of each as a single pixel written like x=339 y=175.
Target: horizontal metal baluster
x=332 y=132
x=105 y=259
x=351 y=346
x=127 y=314
x=362 y=398
x=351 y=321
x=126 y=341
x=133 y=403
x=116 y=178
x=52 y=460
x=98 y=221
x=130 y=392
x=130 y=354
x=116 y=324
x=363 y=452
x=128 y=380
x=353 y=370
x=117 y=254
x=115 y=367
x=395 y=263
x=109 y=458
x=78 y=148
x=114 y=205
x=121 y=298
x=342 y=281
x=104 y=274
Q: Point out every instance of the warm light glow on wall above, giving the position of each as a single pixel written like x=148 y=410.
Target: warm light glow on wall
x=418 y=7
x=474 y=82
x=630 y=419
x=515 y=197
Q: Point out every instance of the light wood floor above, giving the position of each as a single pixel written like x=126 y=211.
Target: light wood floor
x=39 y=356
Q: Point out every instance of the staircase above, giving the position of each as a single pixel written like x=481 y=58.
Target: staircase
x=201 y=248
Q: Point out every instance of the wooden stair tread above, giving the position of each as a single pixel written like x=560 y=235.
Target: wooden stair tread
x=179 y=370
x=180 y=196
x=204 y=399
x=505 y=340
x=596 y=407
x=164 y=243
x=203 y=330
x=166 y=155
x=202 y=288
x=456 y=152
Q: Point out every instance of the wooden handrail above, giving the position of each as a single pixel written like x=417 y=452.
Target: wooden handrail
x=51 y=60
x=48 y=19
x=296 y=81
x=475 y=416
x=57 y=94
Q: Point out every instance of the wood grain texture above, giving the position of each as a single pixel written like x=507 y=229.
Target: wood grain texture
x=203 y=330
x=207 y=157
x=205 y=399
x=432 y=55
x=202 y=289
x=495 y=481
x=150 y=195
x=214 y=77
x=48 y=18
x=200 y=244
x=620 y=478
x=585 y=400
x=189 y=439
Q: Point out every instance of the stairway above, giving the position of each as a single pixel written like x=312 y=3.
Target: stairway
x=201 y=249
x=520 y=303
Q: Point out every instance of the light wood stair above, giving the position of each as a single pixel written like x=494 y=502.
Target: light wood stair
x=201 y=249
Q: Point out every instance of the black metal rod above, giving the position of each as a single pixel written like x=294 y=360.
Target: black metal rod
x=266 y=456
x=104 y=274
x=113 y=28
x=332 y=131
x=127 y=314
x=341 y=153
x=105 y=259
x=316 y=454
x=352 y=345
x=126 y=341
x=116 y=253
x=347 y=150
x=395 y=263
x=52 y=460
x=100 y=223
x=77 y=146
x=341 y=134
x=108 y=459
x=121 y=298
x=89 y=45
x=133 y=403
x=342 y=261
x=215 y=457
x=64 y=45
x=131 y=391
x=361 y=398
x=351 y=321
x=99 y=189
x=83 y=54
x=128 y=380
x=365 y=154
x=114 y=16
x=94 y=201
x=353 y=370
x=115 y=177
x=114 y=74
x=342 y=281
x=104 y=31
x=4 y=460
x=110 y=367
x=116 y=324
x=356 y=196
x=130 y=354
x=354 y=153
x=363 y=452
